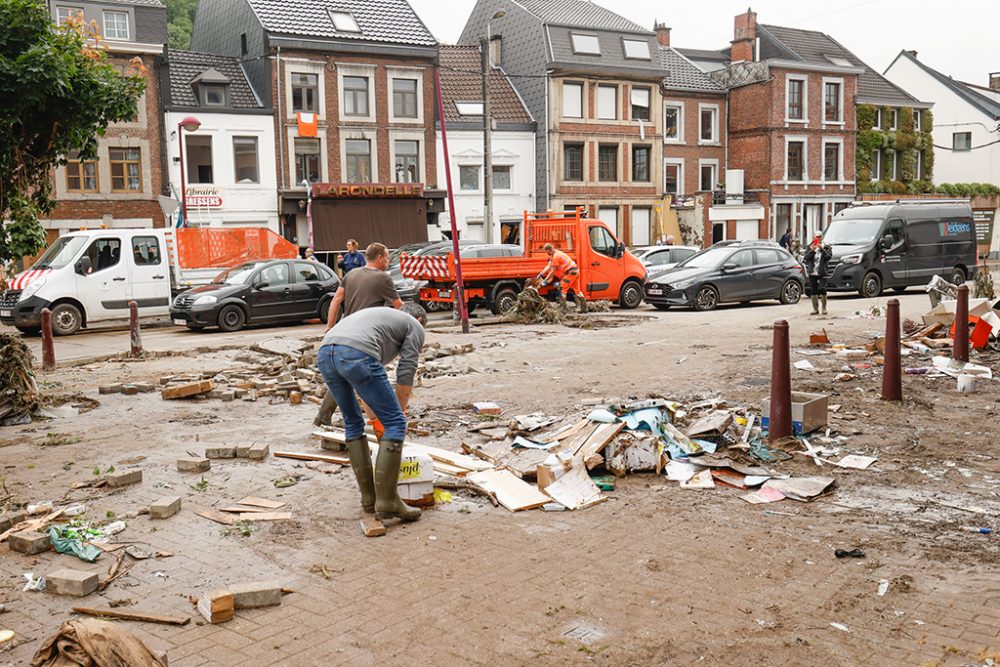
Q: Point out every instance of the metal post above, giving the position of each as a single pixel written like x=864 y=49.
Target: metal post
x=48 y=348
x=961 y=348
x=892 y=375
x=487 y=143
x=460 y=283
x=135 y=336
x=781 y=385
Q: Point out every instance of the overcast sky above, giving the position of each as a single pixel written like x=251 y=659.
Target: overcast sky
x=958 y=37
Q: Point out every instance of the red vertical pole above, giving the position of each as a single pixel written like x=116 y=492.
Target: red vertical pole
x=892 y=373
x=48 y=348
x=961 y=349
x=184 y=208
x=781 y=385
x=460 y=291
x=133 y=328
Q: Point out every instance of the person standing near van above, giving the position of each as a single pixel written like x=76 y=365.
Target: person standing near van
x=563 y=273
x=817 y=264
x=352 y=259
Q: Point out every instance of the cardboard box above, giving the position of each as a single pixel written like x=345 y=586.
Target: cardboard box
x=809 y=412
x=944 y=312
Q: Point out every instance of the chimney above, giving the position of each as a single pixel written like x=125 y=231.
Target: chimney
x=744 y=36
x=995 y=81
x=662 y=34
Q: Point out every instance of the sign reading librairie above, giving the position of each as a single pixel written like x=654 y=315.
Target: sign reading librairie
x=202 y=198
x=366 y=190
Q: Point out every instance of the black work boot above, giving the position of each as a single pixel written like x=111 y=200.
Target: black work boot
x=361 y=461
x=387 y=500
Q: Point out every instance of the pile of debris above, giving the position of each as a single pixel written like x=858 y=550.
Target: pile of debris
x=19 y=395
x=533 y=308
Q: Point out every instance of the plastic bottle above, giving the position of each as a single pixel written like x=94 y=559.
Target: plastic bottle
x=973 y=529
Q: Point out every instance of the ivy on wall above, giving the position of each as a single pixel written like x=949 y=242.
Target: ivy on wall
x=906 y=140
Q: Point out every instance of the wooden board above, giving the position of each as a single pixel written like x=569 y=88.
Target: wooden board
x=265 y=516
x=598 y=440
x=522 y=462
x=135 y=615
x=217 y=516
x=438 y=455
x=261 y=502
x=372 y=527
x=186 y=390
x=240 y=509
x=513 y=493
x=304 y=456
x=32 y=524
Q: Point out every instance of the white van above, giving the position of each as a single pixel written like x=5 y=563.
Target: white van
x=90 y=276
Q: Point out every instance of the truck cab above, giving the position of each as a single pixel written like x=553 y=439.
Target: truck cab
x=90 y=276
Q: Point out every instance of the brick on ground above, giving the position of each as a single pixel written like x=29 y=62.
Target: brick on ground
x=217 y=606
x=258 y=452
x=185 y=390
x=28 y=542
x=71 y=582
x=220 y=452
x=191 y=464
x=256 y=594
x=123 y=478
x=164 y=508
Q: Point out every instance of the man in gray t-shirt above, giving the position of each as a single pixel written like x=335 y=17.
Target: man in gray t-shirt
x=351 y=359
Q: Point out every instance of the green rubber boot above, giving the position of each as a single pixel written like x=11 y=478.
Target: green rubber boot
x=822 y=299
x=361 y=461
x=387 y=500
x=815 y=302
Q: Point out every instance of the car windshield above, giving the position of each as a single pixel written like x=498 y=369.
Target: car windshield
x=852 y=231
x=707 y=259
x=237 y=275
x=61 y=252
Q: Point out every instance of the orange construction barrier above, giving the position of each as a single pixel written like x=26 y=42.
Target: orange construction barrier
x=199 y=247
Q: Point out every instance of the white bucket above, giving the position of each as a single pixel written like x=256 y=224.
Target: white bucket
x=967 y=384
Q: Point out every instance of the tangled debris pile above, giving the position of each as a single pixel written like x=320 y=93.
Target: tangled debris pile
x=533 y=308
x=19 y=396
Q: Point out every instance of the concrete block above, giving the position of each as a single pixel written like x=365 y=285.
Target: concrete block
x=193 y=465
x=130 y=389
x=258 y=452
x=256 y=594
x=164 y=508
x=123 y=478
x=10 y=519
x=243 y=451
x=220 y=452
x=145 y=387
x=109 y=389
x=228 y=396
x=29 y=542
x=71 y=582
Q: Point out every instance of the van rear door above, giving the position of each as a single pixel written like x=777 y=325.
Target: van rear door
x=149 y=286
x=924 y=247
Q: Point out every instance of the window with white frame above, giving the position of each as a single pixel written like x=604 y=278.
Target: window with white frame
x=307 y=164
x=831 y=161
x=305 y=92
x=895 y=119
x=673 y=122
x=115 y=25
x=961 y=141
x=878 y=119
x=919 y=167
x=358 y=167
x=673 y=176
x=198 y=158
x=916 y=119
x=572 y=99
x=708 y=175
x=586 y=44
x=64 y=14
x=895 y=165
x=795 y=165
x=213 y=95
x=832 y=101
x=607 y=102
x=708 y=124
x=245 y=160
x=501 y=176
x=876 y=164
x=407 y=161
x=636 y=49
x=640 y=103
x=469 y=108
x=468 y=177
x=344 y=22
x=795 y=98
x=404 y=98
x=356 y=96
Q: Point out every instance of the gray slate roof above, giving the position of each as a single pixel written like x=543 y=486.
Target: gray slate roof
x=612 y=50
x=145 y=3
x=813 y=47
x=387 y=21
x=984 y=103
x=580 y=13
x=185 y=66
x=680 y=73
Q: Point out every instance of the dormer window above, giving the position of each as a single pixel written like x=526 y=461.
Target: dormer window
x=213 y=95
x=469 y=108
x=636 y=49
x=586 y=44
x=116 y=25
x=210 y=88
x=344 y=22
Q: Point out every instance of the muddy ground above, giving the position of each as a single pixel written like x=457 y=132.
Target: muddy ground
x=655 y=576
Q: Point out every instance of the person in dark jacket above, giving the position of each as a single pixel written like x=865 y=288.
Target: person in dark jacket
x=817 y=264
x=352 y=259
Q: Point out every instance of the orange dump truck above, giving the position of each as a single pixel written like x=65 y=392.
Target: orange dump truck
x=607 y=270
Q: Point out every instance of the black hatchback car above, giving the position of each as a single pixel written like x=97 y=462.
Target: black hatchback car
x=741 y=272
x=286 y=290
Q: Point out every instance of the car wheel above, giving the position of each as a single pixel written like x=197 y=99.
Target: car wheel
x=324 y=309
x=231 y=318
x=958 y=276
x=661 y=306
x=631 y=295
x=706 y=299
x=66 y=319
x=791 y=292
x=504 y=301
x=871 y=285
x=29 y=331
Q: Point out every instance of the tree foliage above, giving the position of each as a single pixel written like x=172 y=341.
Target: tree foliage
x=180 y=21
x=59 y=93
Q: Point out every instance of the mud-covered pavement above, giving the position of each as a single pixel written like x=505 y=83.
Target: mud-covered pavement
x=656 y=576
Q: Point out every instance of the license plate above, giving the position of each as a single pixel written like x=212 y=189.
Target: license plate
x=654 y=291
x=180 y=323
x=444 y=294
x=4 y=313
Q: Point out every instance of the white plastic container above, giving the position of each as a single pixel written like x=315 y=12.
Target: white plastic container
x=967 y=384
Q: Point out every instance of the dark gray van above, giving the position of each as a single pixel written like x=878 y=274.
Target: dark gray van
x=900 y=244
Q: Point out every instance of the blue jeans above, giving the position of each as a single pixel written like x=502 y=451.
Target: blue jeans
x=345 y=371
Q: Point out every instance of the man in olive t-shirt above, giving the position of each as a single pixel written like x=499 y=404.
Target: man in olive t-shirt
x=367 y=287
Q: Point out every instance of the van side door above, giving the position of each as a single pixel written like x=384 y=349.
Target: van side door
x=598 y=275
x=923 y=244
x=104 y=291
x=149 y=284
x=895 y=261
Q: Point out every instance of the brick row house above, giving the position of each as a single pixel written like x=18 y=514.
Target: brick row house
x=623 y=119
x=352 y=88
x=119 y=188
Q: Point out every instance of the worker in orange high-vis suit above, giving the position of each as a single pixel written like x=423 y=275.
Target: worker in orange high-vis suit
x=562 y=272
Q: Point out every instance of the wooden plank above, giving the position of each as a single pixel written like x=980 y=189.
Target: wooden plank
x=436 y=453
x=600 y=438
x=217 y=516
x=265 y=516
x=134 y=615
x=32 y=524
x=371 y=526
x=574 y=443
x=513 y=493
x=186 y=390
x=240 y=509
x=253 y=501
x=303 y=456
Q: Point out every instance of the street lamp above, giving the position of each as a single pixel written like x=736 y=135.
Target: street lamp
x=488 y=129
x=191 y=124
x=309 y=215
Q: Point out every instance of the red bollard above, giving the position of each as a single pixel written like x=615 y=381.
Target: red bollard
x=133 y=326
x=961 y=351
x=48 y=347
x=780 y=425
x=892 y=376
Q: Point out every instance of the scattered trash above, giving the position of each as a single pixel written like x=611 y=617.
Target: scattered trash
x=840 y=626
x=70 y=538
x=853 y=553
x=94 y=642
x=486 y=408
x=19 y=398
x=883 y=587
x=973 y=529
x=34 y=583
x=804 y=365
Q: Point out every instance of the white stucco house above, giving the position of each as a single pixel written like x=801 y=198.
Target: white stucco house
x=513 y=148
x=966 y=120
